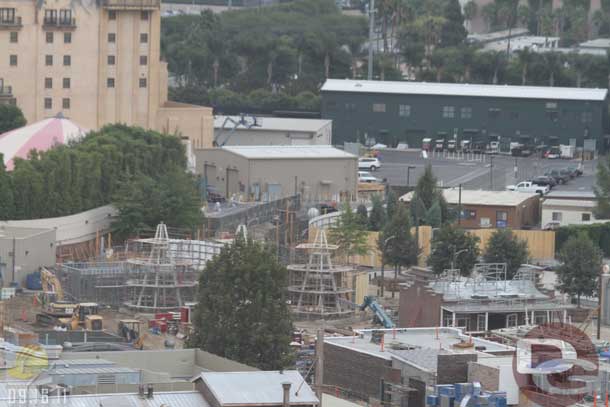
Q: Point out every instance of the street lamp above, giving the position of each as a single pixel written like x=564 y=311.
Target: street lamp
x=491 y=172
x=454 y=258
x=409 y=168
x=385 y=245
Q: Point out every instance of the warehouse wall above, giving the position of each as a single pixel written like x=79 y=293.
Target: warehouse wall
x=32 y=252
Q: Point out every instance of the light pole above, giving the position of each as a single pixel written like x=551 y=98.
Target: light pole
x=491 y=172
x=385 y=245
x=409 y=168
x=454 y=258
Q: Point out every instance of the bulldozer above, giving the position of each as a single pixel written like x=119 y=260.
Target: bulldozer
x=85 y=315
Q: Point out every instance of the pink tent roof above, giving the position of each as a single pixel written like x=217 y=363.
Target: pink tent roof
x=40 y=136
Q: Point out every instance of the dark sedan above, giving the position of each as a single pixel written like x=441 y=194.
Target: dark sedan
x=560 y=176
x=544 y=180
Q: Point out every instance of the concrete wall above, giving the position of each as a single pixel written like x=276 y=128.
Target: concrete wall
x=262 y=137
x=419 y=307
x=454 y=368
x=31 y=252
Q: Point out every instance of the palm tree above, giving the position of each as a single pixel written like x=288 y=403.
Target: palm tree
x=552 y=61
x=525 y=57
x=470 y=12
x=490 y=15
x=580 y=64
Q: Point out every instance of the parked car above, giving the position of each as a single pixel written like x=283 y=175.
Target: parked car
x=369 y=163
x=365 y=176
x=553 y=153
x=571 y=174
x=544 y=180
x=326 y=208
x=214 y=195
x=560 y=178
x=577 y=169
x=528 y=186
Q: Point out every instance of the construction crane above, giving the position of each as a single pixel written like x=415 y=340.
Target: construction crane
x=380 y=315
x=247 y=121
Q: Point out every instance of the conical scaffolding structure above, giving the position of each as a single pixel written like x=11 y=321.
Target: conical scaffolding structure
x=317 y=288
x=157 y=282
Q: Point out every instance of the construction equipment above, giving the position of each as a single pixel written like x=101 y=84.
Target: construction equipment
x=247 y=121
x=130 y=329
x=72 y=316
x=380 y=315
x=51 y=287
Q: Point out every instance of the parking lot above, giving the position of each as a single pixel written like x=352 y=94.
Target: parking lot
x=480 y=172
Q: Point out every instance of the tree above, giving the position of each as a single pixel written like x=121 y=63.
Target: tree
x=7 y=203
x=453 y=31
x=377 y=215
x=396 y=243
x=348 y=233
x=11 y=117
x=505 y=247
x=453 y=248
x=470 y=12
x=242 y=312
x=525 y=58
x=363 y=216
x=582 y=262
x=426 y=196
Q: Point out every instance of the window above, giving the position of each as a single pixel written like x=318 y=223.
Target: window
x=481 y=322
x=586 y=217
x=111 y=37
x=551 y=112
x=448 y=112
x=7 y=15
x=48 y=83
x=67 y=60
x=14 y=36
x=67 y=38
x=379 y=107
x=142 y=82
x=65 y=103
x=485 y=222
x=586 y=117
x=13 y=60
x=556 y=216
x=404 y=110
x=110 y=82
x=551 y=105
x=144 y=15
x=49 y=37
x=468 y=214
x=48 y=60
x=66 y=83
x=350 y=107
x=65 y=17
x=466 y=113
x=501 y=219
x=143 y=60
x=111 y=15
x=143 y=38
x=111 y=59
x=511 y=320
x=494 y=112
x=48 y=103
x=50 y=18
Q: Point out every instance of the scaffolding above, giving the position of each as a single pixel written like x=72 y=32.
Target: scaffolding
x=317 y=288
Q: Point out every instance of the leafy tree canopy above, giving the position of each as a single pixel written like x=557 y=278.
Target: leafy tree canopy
x=377 y=215
x=505 y=247
x=349 y=234
x=397 y=244
x=11 y=117
x=453 y=247
x=582 y=262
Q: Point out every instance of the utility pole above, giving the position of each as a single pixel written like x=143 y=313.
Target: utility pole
x=371 y=33
x=491 y=172
x=319 y=372
x=460 y=205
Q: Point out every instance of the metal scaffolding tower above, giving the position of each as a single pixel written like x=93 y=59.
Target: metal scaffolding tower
x=159 y=281
x=317 y=288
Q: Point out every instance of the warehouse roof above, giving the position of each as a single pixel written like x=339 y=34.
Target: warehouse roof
x=464 y=89
x=276 y=124
x=283 y=152
x=17 y=232
x=569 y=203
x=257 y=388
x=480 y=197
x=424 y=358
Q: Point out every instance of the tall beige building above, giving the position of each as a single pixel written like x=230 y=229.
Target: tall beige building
x=96 y=62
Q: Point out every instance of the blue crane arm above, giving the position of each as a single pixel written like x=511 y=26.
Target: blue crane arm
x=378 y=310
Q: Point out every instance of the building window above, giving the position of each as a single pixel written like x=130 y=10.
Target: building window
x=65 y=103
x=13 y=60
x=448 y=112
x=48 y=60
x=7 y=15
x=48 y=83
x=511 y=320
x=48 y=103
x=404 y=110
x=494 y=112
x=466 y=113
x=111 y=15
x=111 y=59
x=67 y=60
x=65 y=17
x=379 y=107
x=556 y=216
x=67 y=38
x=49 y=37
x=143 y=60
x=66 y=83
x=110 y=82
x=468 y=214
x=14 y=36
x=111 y=37
x=50 y=18
x=144 y=15
x=142 y=82
x=586 y=217
x=143 y=38
x=586 y=117
x=501 y=219
x=350 y=107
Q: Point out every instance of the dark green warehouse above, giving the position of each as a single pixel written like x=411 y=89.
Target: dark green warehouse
x=407 y=112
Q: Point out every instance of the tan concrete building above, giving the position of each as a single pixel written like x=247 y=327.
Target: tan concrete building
x=95 y=61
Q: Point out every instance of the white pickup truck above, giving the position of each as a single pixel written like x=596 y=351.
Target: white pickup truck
x=527 y=186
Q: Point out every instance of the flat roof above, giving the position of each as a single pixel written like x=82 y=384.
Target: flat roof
x=424 y=358
x=418 y=338
x=596 y=43
x=480 y=197
x=569 y=203
x=160 y=399
x=257 y=388
x=275 y=124
x=464 y=89
x=581 y=195
x=17 y=232
x=288 y=152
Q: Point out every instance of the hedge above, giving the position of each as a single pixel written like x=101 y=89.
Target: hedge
x=599 y=233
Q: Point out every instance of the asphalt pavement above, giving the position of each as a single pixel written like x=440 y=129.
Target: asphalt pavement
x=404 y=167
